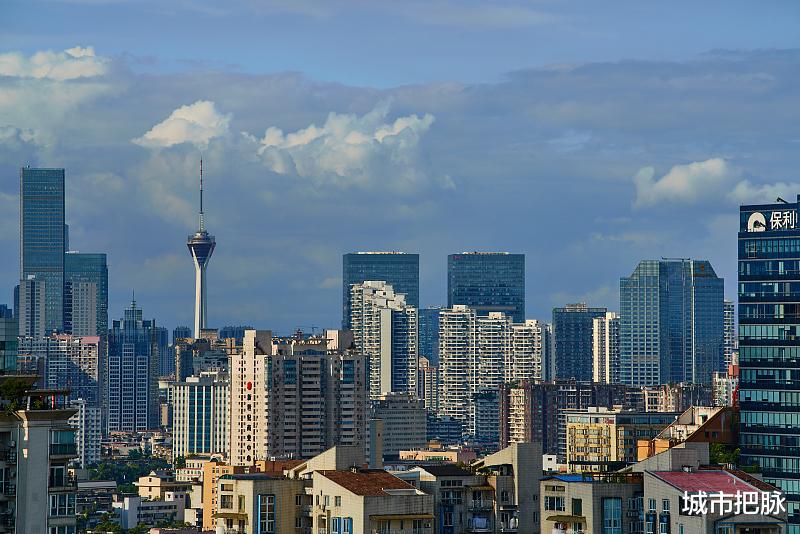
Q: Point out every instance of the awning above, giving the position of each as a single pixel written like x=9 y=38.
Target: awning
x=231 y=515
x=400 y=517
x=567 y=518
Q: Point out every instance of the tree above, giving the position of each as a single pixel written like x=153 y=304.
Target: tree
x=721 y=454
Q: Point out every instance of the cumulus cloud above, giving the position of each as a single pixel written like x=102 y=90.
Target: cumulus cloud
x=684 y=183
x=196 y=123
x=350 y=150
x=745 y=192
x=70 y=64
x=16 y=137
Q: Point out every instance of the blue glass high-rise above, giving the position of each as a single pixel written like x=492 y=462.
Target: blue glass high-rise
x=90 y=267
x=671 y=322
x=398 y=269
x=428 y=332
x=42 y=237
x=572 y=340
x=487 y=282
x=769 y=347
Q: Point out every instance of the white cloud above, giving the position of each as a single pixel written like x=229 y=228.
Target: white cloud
x=746 y=192
x=684 y=183
x=70 y=64
x=15 y=137
x=349 y=150
x=196 y=123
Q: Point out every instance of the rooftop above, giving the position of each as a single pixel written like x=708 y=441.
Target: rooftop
x=446 y=470
x=708 y=481
x=368 y=482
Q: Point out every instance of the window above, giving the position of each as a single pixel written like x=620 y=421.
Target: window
x=577 y=507
x=327 y=500
x=266 y=514
x=337 y=501
x=504 y=496
x=347 y=525
x=383 y=527
x=417 y=526
x=63 y=504
x=69 y=529
x=298 y=522
x=241 y=503
x=336 y=525
x=448 y=519
x=651 y=505
x=58 y=476
x=298 y=500
x=554 y=503
x=226 y=501
x=665 y=506
x=612 y=515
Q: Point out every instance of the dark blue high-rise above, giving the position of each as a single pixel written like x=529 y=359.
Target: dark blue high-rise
x=42 y=237
x=671 y=322
x=769 y=347
x=90 y=267
x=398 y=269
x=572 y=340
x=487 y=282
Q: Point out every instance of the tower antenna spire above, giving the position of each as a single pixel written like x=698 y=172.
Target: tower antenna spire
x=202 y=225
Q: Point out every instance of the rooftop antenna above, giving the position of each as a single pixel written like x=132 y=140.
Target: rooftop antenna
x=779 y=199
x=202 y=225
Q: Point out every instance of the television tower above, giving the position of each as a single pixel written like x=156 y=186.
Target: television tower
x=201 y=245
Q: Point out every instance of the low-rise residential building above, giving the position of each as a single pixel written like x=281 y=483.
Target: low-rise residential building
x=697 y=424
x=133 y=510
x=600 y=440
x=257 y=502
x=158 y=483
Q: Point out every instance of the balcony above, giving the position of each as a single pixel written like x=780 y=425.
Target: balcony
x=8 y=456
x=7 y=490
x=67 y=483
x=481 y=505
x=66 y=450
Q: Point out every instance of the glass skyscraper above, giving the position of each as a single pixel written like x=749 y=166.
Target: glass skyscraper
x=42 y=237
x=769 y=347
x=487 y=282
x=572 y=340
x=92 y=268
x=429 y=334
x=132 y=368
x=671 y=322
x=398 y=269
x=8 y=340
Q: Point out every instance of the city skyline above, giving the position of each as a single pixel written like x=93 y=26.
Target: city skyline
x=590 y=181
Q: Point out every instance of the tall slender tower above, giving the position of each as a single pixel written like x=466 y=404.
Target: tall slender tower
x=201 y=245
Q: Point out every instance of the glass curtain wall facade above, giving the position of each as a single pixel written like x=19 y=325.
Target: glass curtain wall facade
x=487 y=282
x=671 y=325
x=769 y=347
x=573 y=326
x=42 y=237
x=398 y=269
x=93 y=268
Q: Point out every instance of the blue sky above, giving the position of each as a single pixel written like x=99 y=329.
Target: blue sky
x=584 y=135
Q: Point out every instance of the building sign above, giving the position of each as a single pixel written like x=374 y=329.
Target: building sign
x=776 y=220
x=742 y=502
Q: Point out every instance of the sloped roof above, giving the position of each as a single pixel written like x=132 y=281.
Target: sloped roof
x=708 y=481
x=368 y=482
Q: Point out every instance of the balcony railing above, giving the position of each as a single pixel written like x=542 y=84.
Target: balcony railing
x=68 y=482
x=8 y=489
x=481 y=505
x=8 y=456
x=63 y=449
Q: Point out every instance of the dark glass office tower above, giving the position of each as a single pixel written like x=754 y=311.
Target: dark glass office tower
x=429 y=334
x=92 y=268
x=132 y=367
x=572 y=340
x=42 y=237
x=487 y=282
x=399 y=269
x=8 y=341
x=671 y=322
x=769 y=346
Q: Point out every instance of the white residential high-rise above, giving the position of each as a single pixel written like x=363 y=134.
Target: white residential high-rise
x=88 y=425
x=201 y=415
x=730 y=343
x=428 y=384
x=65 y=361
x=80 y=308
x=605 y=349
x=295 y=397
x=385 y=331
x=477 y=354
